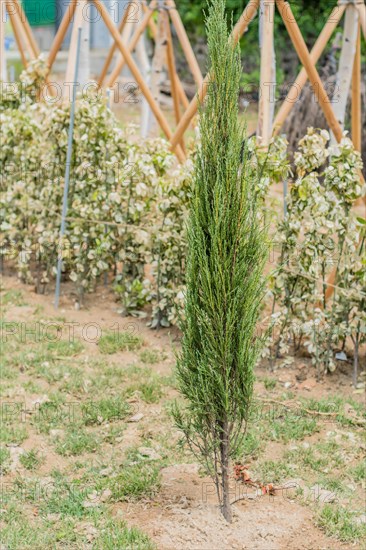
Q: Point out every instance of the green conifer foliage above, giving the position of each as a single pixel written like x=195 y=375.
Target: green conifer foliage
x=227 y=251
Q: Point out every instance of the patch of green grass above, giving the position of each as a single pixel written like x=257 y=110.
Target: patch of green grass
x=135 y=481
x=31 y=460
x=107 y=409
x=151 y=390
x=249 y=447
x=269 y=383
x=12 y=434
x=115 y=534
x=271 y=471
x=53 y=414
x=332 y=484
x=8 y=372
x=358 y=472
x=341 y=523
x=19 y=533
x=114 y=433
x=292 y=427
x=331 y=451
x=326 y=405
x=77 y=441
x=70 y=499
x=122 y=341
x=307 y=458
x=31 y=387
x=335 y=404
x=4 y=460
x=64 y=348
x=150 y=356
x=12 y=297
x=51 y=372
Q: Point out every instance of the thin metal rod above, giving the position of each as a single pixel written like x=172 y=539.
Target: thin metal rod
x=109 y=102
x=67 y=171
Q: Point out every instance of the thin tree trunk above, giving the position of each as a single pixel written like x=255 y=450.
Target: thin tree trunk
x=225 y=486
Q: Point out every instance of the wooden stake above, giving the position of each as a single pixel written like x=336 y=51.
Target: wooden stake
x=239 y=29
x=182 y=94
x=136 y=74
x=344 y=74
x=22 y=30
x=16 y=31
x=356 y=109
x=61 y=32
x=185 y=43
x=77 y=23
x=267 y=74
x=3 y=75
x=362 y=13
x=300 y=81
x=31 y=40
x=15 y=14
x=157 y=72
x=131 y=46
x=304 y=56
x=171 y=67
x=113 y=47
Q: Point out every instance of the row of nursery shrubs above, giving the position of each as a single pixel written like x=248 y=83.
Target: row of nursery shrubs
x=127 y=207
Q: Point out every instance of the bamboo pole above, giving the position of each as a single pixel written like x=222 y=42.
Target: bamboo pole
x=294 y=92
x=113 y=47
x=74 y=42
x=362 y=13
x=131 y=46
x=356 y=110
x=182 y=94
x=31 y=40
x=136 y=74
x=157 y=64
x=173 y=76
x=154 y=31
x=16 y=31
x=171 y=67
x=304 y=56
x=3 y=75
x=344 y=73
x=15 y=14
x=266 y=74
x=23 y=32
x=61 y=32
x=241 y=26
x=185 y=43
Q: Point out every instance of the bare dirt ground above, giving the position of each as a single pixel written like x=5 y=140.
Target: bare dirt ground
x=130 y=467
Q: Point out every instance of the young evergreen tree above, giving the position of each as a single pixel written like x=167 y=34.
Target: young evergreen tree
x=227 y=252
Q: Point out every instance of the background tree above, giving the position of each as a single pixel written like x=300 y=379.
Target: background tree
x=227 y=253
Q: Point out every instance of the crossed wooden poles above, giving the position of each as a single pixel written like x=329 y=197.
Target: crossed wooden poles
x=167 y=14
x=23 y=35
x=309 y=71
